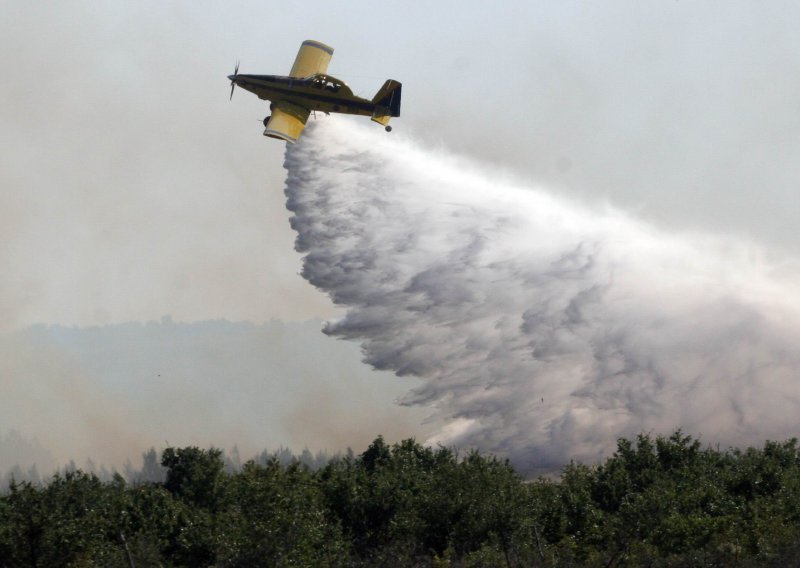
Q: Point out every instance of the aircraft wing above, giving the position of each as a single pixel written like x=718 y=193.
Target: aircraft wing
x=287 y=121
x=312 y=58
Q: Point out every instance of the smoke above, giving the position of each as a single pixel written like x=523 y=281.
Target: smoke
x=109 y=393
x=543 y=330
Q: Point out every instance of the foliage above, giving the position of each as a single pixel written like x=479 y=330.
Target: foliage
x=663 y=501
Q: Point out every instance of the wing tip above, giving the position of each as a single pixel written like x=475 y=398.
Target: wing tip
x=279 y=135
x=318 y=45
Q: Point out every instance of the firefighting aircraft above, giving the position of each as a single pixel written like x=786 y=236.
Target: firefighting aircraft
x=308 y=88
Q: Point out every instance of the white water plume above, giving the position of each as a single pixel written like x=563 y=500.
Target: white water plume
x=543 y=330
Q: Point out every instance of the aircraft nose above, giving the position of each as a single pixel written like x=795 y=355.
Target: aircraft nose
x=232 y=77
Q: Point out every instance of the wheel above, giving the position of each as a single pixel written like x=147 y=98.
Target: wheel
x=266 y=120
x=388 y=129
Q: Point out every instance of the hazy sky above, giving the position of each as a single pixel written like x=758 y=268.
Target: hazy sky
x=131 y=188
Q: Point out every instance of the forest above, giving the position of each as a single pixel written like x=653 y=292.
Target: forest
x=657 y=501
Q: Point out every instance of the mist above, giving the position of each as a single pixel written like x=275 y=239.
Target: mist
x=542 y=329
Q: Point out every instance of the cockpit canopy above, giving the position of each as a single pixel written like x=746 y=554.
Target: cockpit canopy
x=328 y=83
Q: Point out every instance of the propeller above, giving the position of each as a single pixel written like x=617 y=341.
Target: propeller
x=233 y=79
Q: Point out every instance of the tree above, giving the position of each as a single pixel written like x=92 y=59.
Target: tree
x=277 y=517
x=195 y=476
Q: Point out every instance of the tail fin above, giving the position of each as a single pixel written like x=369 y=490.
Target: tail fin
x=388 y=97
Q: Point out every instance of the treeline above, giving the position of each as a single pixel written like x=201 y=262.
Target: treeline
x=664 y=501
x=152 y=470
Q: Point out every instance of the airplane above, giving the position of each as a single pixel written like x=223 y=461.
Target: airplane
x=309 y=88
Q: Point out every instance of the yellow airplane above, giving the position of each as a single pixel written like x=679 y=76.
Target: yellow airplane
x=308 y=88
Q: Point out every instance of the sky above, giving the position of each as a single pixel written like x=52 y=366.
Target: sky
x=132 y=189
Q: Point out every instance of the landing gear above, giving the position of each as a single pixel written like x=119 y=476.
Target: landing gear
x=266 y=120
x=388 y=129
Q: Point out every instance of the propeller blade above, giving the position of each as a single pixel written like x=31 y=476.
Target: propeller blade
x=233 y=81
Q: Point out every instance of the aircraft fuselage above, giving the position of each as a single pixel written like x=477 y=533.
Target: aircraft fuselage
x=318 y=92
